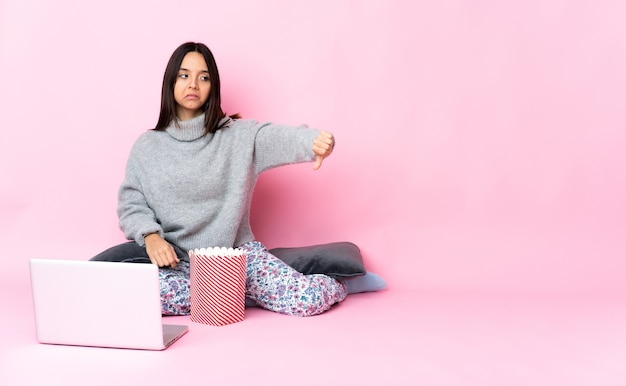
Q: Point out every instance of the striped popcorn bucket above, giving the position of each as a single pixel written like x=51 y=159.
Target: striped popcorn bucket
x=218 y=285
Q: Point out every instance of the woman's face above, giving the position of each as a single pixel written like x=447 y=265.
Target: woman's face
x=192 y=86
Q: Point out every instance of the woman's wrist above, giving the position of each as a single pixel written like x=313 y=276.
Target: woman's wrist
x=151 y=234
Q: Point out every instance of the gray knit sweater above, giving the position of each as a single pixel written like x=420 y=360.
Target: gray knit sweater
x=195 y=190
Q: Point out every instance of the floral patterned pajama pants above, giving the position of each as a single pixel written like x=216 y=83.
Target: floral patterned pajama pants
x=270 y=283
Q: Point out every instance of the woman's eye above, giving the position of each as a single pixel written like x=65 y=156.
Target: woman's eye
x=205 y=78
x=183 y=76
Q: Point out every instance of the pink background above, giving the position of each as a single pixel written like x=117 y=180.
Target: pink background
x=479 y=166
x=480 y=143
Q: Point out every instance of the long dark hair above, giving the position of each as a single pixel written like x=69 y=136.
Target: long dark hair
x=212 y=108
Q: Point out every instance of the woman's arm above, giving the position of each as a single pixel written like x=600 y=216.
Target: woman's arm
x=138 y=221
x=277 y=145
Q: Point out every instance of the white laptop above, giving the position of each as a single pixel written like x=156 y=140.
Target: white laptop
x=102 y=304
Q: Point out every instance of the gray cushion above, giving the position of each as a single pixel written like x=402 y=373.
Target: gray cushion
x=338 y=259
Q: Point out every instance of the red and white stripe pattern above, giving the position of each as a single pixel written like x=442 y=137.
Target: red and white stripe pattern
x=218 y=285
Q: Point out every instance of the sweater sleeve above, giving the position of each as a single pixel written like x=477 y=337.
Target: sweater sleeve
x=136 y=218
x=277 y=145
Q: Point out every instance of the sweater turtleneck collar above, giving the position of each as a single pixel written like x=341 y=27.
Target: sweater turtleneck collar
x=188 y=130
x=191 y=129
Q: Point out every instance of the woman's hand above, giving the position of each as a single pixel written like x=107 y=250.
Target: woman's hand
x=323 y=145
x=160 y=251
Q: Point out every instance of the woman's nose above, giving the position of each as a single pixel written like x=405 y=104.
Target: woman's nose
x=193 y=83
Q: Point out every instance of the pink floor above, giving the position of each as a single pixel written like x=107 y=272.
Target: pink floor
x=394 y=337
